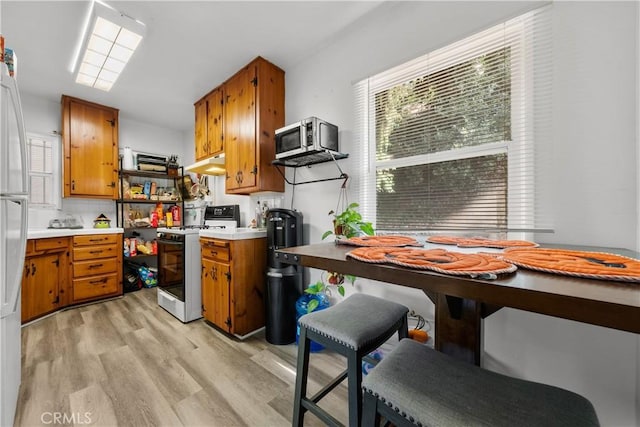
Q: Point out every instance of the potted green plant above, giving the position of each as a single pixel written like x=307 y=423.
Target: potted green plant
x=349 y=223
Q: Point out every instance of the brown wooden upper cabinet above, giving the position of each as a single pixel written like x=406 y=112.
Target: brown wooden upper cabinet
x=90 y=140
x=253 y=110
x=208 y=127
x=239 y=118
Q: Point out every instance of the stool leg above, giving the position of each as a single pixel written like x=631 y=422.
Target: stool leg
x=302 y=372
x=403 y=332
x=354 y=377
x=370 y=415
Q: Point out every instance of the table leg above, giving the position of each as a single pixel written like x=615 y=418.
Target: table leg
x=459 y=328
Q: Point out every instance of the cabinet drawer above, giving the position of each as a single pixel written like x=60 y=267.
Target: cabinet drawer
x=52 y=243
x=93 y=252
x=94 y=239
x=93 y=287
x=93 y=267
x=215 y=249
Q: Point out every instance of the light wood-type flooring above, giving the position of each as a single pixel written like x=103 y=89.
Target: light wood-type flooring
x=127 y=362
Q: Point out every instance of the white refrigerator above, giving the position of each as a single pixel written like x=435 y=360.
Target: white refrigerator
x=13 y=237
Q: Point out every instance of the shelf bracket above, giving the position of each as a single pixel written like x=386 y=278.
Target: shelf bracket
x=329 y=156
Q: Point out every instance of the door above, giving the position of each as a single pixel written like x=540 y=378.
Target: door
x=215 y=293
x=13 y=156
x=171 y=266
x=93 y=150
x=240 y=129
x=214 y=122
x=201 y=129
x=40 y=285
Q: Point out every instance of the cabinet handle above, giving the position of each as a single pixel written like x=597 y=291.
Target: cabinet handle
x=95 y=252
x=96 y=240
x=33 y=269
x=95 y=266
x=96 y=282
x=73 y=184
x=26 y=270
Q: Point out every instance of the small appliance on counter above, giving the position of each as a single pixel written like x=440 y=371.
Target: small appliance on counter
x=70 y=221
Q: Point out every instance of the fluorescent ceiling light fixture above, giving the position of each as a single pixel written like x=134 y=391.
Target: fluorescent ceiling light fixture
x=108 y=41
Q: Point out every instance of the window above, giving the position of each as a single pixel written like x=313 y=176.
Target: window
x=456 y=140
x=44 y=170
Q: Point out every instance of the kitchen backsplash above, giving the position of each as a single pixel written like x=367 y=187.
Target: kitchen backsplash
x=85 y=209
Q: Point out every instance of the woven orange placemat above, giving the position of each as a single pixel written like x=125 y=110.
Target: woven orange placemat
x=438 y=260
x=479 y=242
x=387 y=240
x=590 y=265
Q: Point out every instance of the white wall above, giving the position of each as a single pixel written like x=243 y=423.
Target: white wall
x=596 y=163
x=44 y=116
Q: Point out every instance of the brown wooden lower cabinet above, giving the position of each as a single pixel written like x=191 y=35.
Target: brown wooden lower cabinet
x=45 y=277
x=61 y=271
x=233 y=283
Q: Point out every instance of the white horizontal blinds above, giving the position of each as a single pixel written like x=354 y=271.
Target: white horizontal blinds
x=454 y=133
x=41 y=179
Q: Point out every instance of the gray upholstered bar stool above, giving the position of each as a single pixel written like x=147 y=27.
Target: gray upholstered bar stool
x=417 y=386
x=353 y=328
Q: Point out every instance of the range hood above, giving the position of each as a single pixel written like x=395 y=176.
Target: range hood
x=210 y=166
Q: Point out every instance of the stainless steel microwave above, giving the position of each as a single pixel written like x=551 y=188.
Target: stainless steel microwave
x=308 y=136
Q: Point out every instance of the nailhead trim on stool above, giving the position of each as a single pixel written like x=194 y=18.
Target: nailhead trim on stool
x=353 y=328
x=416 y=385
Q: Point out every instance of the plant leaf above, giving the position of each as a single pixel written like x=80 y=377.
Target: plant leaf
x=312 y=305
x=327 y=234
x=341 y=290
x=367 y=228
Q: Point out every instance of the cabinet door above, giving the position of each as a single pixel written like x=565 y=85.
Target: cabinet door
x=201 y=129
x=91 y=149
x=240 y=125
x=215 y=129
x=40 y=285
x=215 y=293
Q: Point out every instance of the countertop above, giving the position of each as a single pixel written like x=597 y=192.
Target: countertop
x=238 y=234
x=43 y=233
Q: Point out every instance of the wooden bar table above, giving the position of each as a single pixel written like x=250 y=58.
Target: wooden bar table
x=462 y=302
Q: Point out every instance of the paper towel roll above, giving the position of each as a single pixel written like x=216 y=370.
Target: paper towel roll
x=127 y=159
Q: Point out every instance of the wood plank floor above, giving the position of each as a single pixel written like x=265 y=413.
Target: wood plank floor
x=127 y=362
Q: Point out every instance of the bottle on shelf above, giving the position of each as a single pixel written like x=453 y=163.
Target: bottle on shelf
x=258 y=215
x=265 y=211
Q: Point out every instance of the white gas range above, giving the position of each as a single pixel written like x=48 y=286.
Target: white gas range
x=179 y=263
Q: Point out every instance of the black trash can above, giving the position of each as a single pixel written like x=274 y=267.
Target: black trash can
x=283 y=289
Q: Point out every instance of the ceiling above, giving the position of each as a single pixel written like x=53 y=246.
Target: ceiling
x=189 y=48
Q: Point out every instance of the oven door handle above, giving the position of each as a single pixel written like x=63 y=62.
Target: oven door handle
x=170 y=242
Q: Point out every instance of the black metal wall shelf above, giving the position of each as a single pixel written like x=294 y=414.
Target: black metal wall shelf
x=309 y=160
